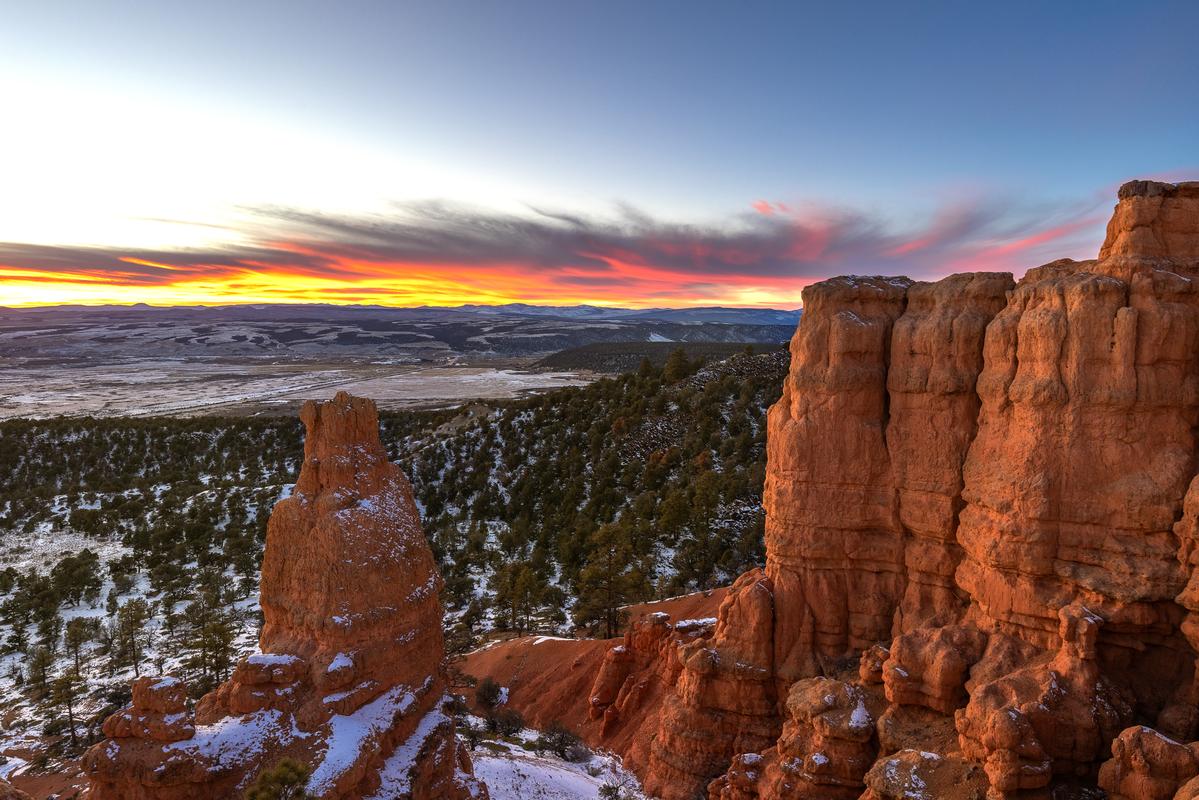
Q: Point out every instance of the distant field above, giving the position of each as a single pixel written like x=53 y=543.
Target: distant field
x=248 y=386
x=616 y=357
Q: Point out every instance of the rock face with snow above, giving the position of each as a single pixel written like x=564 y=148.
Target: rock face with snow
x=349 y=679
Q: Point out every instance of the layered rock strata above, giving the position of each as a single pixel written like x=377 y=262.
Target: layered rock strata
x=349 y=679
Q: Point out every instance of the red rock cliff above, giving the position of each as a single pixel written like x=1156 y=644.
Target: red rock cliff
x=980 y=566
x=349 y=679
x=974 y=484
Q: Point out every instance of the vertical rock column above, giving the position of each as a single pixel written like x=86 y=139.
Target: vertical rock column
x=936 y=358
x=724 y=699
x=834 y=550
x=349 y=680
x=1085 y=447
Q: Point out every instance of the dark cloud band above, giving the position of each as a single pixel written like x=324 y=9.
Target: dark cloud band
x=771 y=245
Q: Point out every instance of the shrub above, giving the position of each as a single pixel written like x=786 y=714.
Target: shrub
x=487 y=694
x=507 y=722
x=562 y=742
x=284 y=781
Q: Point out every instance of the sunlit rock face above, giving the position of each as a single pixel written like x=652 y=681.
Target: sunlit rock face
x=982 y=533
x=349 y=678
x=976 y=524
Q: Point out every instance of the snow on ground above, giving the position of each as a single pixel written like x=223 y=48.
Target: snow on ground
x=11 y=765
x=137 y=387
x=513 y=772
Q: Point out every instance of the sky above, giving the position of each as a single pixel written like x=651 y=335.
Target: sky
x=618 y=153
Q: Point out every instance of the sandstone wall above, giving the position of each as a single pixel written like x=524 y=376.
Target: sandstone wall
x=976 y=526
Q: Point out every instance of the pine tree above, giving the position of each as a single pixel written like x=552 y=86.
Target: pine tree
x=38 y=664
x=608 y=579
x=65 y=692
x=677 y=366
x=212 y=631
x=519 y=593
x=131 y=633
x=78 y=633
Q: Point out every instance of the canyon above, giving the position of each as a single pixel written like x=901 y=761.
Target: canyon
x=982 y=542
x=982 y=534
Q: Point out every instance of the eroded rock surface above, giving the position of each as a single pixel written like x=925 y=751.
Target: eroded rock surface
x=975 y=518
x=723 y=701
x=349 y=678
x=10 y=792
x=982 y=517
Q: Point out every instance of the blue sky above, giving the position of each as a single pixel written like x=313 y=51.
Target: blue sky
x=171 y=126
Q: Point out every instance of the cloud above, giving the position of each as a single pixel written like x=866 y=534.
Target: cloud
x=439 y=250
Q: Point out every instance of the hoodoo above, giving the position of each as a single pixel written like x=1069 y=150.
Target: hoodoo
x=981 y=545
x=349 y=679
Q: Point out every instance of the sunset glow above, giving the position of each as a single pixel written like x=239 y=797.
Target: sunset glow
x=433 y=154
x=446 y=256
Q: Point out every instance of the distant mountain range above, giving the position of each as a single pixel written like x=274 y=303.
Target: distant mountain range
x=429 y=334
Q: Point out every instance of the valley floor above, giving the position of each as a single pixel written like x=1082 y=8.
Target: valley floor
x=185 y=386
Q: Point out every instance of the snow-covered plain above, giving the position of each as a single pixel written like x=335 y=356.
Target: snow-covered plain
x=203 y=386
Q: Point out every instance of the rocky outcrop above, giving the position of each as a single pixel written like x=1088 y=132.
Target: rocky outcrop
x=1147 y=765
x=723 y=701
x=349 y=678
x=982 y=517
x=825 y=750
x=835 y=556
x=10 y=792
x=865 y=450
x=935 y=361
x=1045 y=720
x=1155 y=221
x=971 y=494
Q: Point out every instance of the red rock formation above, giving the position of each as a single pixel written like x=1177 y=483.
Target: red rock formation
x=1155 y=221
x=10 y=792
x=1180 y=718
x=1147 y=766
x=1046 y=719
x=1043 y=471
x=936 y=357
x=974 y=496
x=349 y=680
x=929 y=666
x=610 y=691
x=723 y=702
x=912 y=774
x=826 y=747
x=835 y=554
